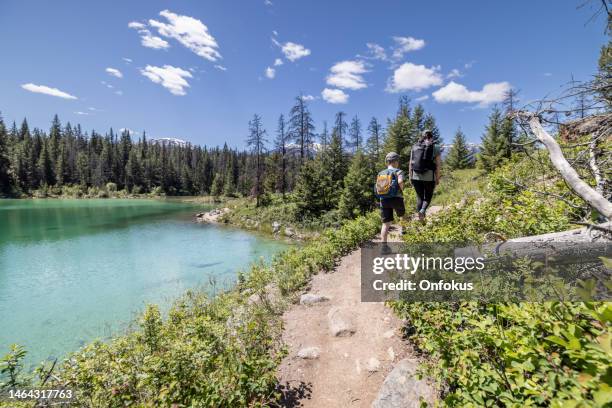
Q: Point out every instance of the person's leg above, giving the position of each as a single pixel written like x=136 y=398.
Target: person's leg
x=384 y=232
x=386 y=215
x=400 y=210
x=428 y=190
x=420 y=193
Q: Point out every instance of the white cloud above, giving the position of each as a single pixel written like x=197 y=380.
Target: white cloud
x=308 y=98
x=547 y=74
x=453 y=92
x=270 y=73
x=114 y=72
x=469 y=65
x=119 y=92
x=190 y=32
x=406 y=44
x=128 y=60
x=152 y=41
x=377 y=51
x=455 y=73
x=348 y=75
x=335 y=96
x=278 y=62
x=294 y=51
x=422 y=98
x=171 y=78
x=47 y=91
x=81 y=113
x=136 y=25
x=221 y=67
x=275 y=33
x=132 y=132
x=268 y=2
x=147 y=39
x=411 y=77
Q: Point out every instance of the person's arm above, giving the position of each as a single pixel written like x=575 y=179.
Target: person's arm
x=400 y=180
x=438 y=165
x=410 y=166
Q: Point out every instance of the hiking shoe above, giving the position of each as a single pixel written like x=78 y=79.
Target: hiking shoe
x=421 y=216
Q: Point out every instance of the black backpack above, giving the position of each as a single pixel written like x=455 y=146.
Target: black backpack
x=423 y=157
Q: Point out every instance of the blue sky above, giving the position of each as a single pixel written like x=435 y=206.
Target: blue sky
x=199 y=70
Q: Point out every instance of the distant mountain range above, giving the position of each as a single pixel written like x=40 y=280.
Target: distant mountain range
x=473 y=147
x=169 y=141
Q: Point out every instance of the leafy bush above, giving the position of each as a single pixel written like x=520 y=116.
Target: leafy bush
x=509 y=354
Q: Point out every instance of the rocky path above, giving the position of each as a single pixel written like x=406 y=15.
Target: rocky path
x=341 y=349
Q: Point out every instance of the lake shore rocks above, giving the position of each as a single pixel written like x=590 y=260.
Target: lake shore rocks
x=211 y=216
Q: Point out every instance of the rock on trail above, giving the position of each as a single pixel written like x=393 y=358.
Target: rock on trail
x=356 y=345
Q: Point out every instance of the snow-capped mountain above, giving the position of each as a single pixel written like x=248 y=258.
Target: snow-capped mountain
x=169 y=141
x=473 y=147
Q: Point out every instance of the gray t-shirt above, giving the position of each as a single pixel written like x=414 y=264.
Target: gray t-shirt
x=429 y=174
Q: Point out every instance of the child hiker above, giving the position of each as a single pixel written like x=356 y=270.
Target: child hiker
x=389 y=189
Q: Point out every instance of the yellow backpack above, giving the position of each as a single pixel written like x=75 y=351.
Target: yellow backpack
x=386 y=184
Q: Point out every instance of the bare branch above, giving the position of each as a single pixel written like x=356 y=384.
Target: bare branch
x=569 y=174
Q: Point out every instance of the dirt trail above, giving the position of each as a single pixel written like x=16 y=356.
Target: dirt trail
x=348 y=371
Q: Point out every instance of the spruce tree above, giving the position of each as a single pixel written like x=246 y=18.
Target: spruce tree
x=430 y=124
x=355 y=138
x=334 y=160
x=256 y=141
x=459 y=156
x=358 y=195
x=281 y=148
x=313 y=193
x=301 y=126
x=495 y=147
x=7 y=182
x=45 y=167
x=374 y=142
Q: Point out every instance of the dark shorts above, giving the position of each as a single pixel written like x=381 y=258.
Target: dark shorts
x=387 y=206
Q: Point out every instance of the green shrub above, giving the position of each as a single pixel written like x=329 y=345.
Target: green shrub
x=510 y=354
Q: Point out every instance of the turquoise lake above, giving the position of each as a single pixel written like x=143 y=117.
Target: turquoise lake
x=75 y=270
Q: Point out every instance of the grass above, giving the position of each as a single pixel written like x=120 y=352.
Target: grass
x=459 y=184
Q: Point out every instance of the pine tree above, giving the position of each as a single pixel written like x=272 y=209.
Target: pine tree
x=459 y=156
x=400 y=131
x=281 y=148
x=430 y=124
x=45 y=167
x=256 y=141
x=418 y=123
x=374 y=142
x=7 y=182
x=358 y=195
x=55 y=135
x=355 y=138
x=324 y=136
x=334 y=160
x=62 y=175
x=133 y=172
x=313 y=194
x=301 y=126
x=217 y=185
x=495 y=148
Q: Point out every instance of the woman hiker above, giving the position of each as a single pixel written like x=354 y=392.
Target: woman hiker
x=424 y=171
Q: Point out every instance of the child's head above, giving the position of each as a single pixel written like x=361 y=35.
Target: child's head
x=392 y=159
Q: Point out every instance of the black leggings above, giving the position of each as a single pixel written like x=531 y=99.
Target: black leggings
x=424 y=191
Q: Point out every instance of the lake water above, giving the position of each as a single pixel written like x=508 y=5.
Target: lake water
x=75 y=270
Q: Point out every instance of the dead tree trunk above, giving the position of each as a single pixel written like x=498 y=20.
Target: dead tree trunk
x=569 y=174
